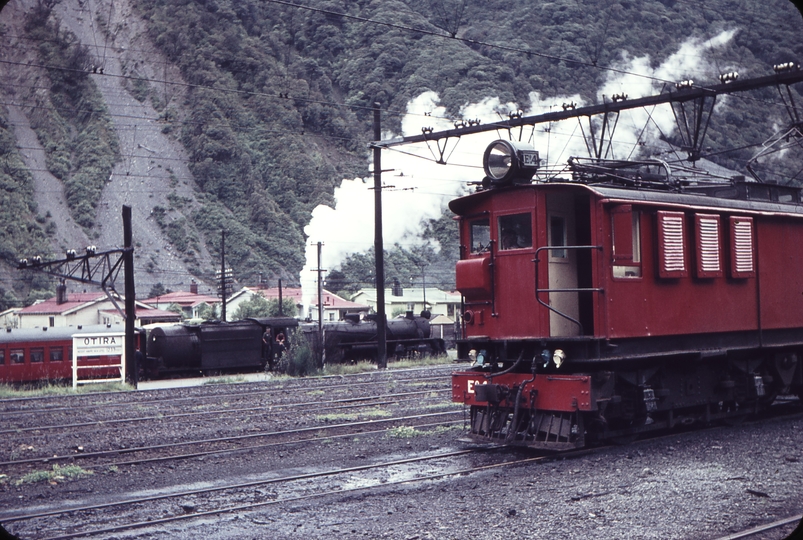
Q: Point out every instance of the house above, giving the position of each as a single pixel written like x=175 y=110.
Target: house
x=399 y=300
x=269 y=293
x=73 y=309
x=334 y=306
x=190 y=303
x=9 y=319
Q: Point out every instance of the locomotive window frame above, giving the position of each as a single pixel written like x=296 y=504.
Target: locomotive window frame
x=56 y=354
x=480 y=235
x=626 y=242
x=16 y=356
x=37 y=355
x=515 y=231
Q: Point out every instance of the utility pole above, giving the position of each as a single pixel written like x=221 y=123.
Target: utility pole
x=132 y=365
x=225 y=275
x=281 y=309
x=379 y=249
x=320 y=291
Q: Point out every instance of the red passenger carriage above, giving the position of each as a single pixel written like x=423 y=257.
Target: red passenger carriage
x=623 y=300
x=46 y=354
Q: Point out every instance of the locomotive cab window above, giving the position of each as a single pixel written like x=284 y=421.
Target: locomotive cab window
x=626 y=242
x=480 y=235
x=515 y=231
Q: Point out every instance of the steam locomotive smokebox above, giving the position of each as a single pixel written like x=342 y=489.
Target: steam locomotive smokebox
x=175 y=347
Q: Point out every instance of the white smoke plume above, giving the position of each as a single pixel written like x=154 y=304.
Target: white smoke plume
x=417 y=188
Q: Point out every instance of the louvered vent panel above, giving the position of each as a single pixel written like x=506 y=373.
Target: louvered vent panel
x=743 y=247
x=709 y=244
x=673 y=260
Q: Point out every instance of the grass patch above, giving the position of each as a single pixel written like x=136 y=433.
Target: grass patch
x=59 y=389
x=403 y=432
x=348 y=369
x=409 y=432
x=418 y=362
x=57 y=474
x=232 y=379
x=350 y=417
x=364 y=367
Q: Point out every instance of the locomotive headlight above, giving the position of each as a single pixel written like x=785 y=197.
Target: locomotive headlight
x=558 y=357
x=506 y=162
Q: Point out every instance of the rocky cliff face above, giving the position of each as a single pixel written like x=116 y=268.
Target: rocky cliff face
x=151 y=167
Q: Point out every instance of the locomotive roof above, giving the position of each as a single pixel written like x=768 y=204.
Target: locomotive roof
x=55 y=333
x=748 y=197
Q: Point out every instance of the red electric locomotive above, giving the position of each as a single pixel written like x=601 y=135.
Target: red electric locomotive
x=623 y=299
x=45 y=354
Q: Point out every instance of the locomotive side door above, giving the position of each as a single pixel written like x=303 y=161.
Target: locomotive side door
x=561 y=228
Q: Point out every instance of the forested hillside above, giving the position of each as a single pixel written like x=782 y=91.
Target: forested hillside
x=244 y=115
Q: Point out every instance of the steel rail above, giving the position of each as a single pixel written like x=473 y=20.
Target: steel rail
x=764 y=528
x=242 y=485
x=272 y=444
x=252 y=506
x=210 y=396
x=227 y=439
x=262 y=408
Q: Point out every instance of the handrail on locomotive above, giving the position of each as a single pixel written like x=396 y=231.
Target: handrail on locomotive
x=538 y=290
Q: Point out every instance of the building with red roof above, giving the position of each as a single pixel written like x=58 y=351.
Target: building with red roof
x=73 y=309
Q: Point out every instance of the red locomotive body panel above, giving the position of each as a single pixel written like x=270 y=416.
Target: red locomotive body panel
x=564 y=393
x=698 y=291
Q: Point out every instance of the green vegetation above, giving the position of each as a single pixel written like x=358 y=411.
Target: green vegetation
x=259 y=306
x=59 y=389
x=73 y=124
x=409 y=432
x=298 y=359
x=23 y=235
x=55 y=475
x=350 y=417
x=277 y=107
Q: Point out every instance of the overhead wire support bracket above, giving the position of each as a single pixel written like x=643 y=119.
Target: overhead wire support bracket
x=99 y=269
x=439 y=159
x=687 y=94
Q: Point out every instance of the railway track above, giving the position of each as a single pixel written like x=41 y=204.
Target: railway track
x=222 y=499
x=330 y=404
x=323 y=432
x=12 y=407
x=156 y=511
x=785 y=527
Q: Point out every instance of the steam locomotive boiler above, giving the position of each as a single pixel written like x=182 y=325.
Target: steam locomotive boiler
x=623 y=299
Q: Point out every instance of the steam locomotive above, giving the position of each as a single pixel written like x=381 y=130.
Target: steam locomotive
x=38 y=354
x=623 y=299
x=256 y=344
